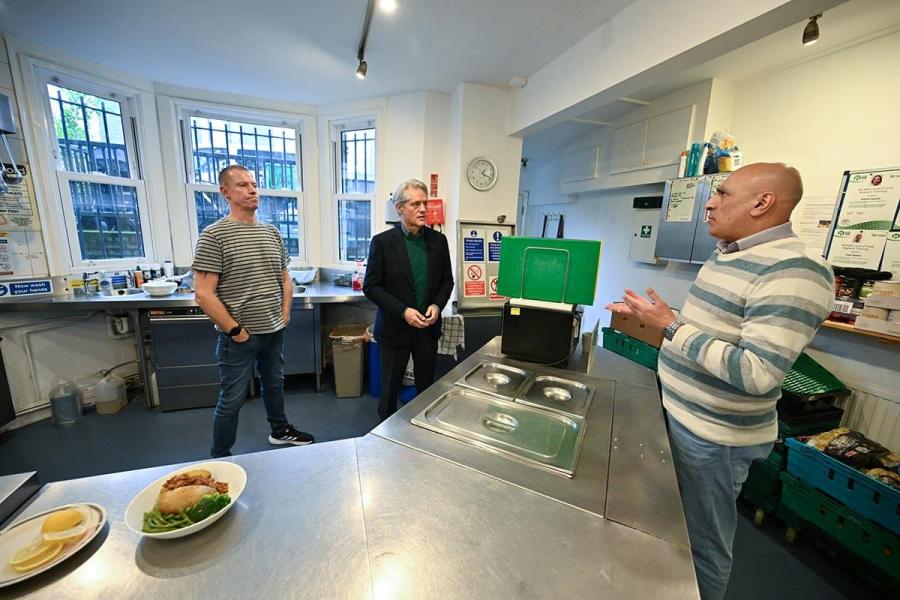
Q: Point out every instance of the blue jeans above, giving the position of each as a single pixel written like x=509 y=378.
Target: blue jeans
x=236 y=361
x=710 y=477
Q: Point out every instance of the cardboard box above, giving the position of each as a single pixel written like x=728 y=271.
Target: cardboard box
x=879 y=301
x=877 y=326
x=634 y=327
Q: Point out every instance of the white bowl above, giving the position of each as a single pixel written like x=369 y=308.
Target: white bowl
x=230 y=473
x=159 y=288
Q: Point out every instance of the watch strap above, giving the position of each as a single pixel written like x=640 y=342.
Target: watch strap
x=236 y=330
x=671 y=329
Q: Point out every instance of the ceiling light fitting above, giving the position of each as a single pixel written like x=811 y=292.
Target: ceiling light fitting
x=363 y=67
x=811 y=31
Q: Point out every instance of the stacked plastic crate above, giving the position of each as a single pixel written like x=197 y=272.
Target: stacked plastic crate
x=855 y=513
x=806 y=407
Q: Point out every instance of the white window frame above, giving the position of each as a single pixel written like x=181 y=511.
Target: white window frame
x=186 y=110
x=335 y=127
x=44 y=74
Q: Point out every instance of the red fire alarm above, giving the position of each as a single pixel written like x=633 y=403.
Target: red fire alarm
x=434 y=211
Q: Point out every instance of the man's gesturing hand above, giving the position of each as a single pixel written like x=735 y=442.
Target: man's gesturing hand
x=655 y=313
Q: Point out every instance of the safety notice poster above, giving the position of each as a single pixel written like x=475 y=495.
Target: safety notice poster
x=479 y=254
x=17 y=205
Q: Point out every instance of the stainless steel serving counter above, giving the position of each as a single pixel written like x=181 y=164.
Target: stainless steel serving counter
x=315 y=293
x=15 y=490
x=374 y=518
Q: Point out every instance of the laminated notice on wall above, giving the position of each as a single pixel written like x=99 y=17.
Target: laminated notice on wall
x=870 y=201
x=682 y=197
x=474 y=285
x=860 y=248
x=891 y=260
x=17 y=206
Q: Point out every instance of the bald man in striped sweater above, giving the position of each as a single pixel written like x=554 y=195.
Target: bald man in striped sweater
x=755 y=305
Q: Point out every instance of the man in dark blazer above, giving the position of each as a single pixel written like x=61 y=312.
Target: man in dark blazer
x=409 y=278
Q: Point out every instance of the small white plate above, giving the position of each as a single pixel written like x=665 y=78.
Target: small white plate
x=22 y=533
x=226 y=472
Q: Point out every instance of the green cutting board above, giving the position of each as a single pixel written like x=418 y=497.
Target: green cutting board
x=549 y=269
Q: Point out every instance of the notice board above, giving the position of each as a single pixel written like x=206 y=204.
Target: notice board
x=478 y=263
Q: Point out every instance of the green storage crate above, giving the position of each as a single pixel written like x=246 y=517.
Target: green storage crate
x=549 y=269
x=763 y=487
x=808 y=379
x=857 y=535
x=630 y=348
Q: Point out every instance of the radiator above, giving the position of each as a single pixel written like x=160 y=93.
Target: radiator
x=875 y=417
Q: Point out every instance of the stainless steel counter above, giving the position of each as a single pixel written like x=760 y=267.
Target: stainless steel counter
x=15 y=490
x=374 y=518
x=297 y=531
x=315 y=293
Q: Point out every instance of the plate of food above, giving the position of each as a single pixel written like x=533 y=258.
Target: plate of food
x=40 y=542
x=186 y=501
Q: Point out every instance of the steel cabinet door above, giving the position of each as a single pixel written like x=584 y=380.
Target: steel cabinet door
x=302 y=343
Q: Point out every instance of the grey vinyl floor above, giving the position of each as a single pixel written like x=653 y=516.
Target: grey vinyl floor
x=765 y=566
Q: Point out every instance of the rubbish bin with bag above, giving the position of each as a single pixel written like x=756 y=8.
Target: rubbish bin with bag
x=348 y=352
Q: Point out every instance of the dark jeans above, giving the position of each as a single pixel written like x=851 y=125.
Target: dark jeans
x=236 y=361
x=393 y=366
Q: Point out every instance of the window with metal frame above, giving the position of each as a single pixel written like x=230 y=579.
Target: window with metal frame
x=270 y=152
x=355 y=189
x=98 y=173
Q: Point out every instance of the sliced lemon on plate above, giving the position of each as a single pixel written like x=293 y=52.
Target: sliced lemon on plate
x=34 y=555
x=64 y=537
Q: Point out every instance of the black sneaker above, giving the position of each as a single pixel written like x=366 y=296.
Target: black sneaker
x=290 y=435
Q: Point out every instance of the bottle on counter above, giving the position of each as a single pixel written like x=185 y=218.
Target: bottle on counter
x=168 y=269
x=105 y=282
x=357 y=277
x=138 y=277
x=682 y=164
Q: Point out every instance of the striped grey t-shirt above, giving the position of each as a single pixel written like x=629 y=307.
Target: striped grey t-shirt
x=249 y=259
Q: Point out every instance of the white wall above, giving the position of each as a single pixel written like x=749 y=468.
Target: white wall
x=646 y=39
x=823 y=116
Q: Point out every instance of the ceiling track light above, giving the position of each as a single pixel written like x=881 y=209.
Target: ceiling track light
x=363 y=66
x=811 y=31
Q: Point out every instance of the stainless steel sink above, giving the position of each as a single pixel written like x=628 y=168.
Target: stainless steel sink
x=544 y=439
x=496 y=378
x=558 y=394
x=114 y=293
x=299 y=289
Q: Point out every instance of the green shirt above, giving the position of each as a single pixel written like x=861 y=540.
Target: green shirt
x=418 y=262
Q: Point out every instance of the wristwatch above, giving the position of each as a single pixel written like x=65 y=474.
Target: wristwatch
x=671 y=328
x=235 y=331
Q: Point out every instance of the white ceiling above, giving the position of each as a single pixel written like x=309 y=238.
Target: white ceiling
x=305 y=50
x=843 y=26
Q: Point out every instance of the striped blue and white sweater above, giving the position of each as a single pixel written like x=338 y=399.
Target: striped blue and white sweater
x=748 y=316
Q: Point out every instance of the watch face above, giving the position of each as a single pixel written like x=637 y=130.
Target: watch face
x=482 y=173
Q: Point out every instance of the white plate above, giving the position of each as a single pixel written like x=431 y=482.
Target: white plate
x=226 y=472
x=22 y=533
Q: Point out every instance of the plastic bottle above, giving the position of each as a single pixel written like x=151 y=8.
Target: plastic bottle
x=694 y=159
x=138 y=277
x=110 y=394
x=65 y=407
x=105 y=282
x=168 y=269
x=682 y=164
x=704 y=154
x=357 y=278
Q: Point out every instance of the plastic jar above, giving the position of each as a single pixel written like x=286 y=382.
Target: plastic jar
x=110 y=395
x=65 y=407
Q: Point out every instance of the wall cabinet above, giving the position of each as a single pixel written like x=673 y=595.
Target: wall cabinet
x=582 y=164
x=653 y=142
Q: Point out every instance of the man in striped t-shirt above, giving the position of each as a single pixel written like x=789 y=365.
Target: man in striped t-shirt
x=243 y=285
x=755 y=305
